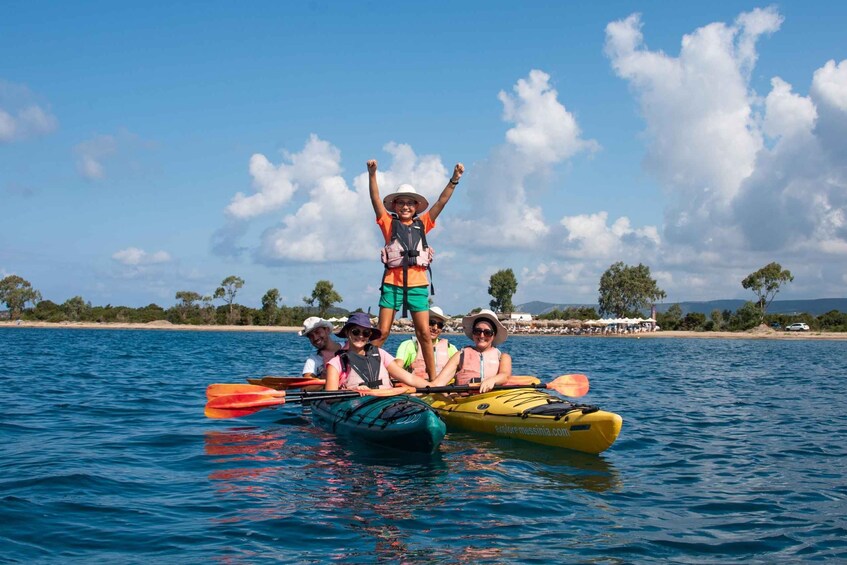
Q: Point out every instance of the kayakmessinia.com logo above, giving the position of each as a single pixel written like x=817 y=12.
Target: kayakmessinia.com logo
x=563 y=432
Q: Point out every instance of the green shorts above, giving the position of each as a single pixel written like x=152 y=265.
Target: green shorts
x=392 y=297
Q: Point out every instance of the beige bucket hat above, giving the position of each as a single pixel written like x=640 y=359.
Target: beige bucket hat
x=406 y=191
x=500 y=330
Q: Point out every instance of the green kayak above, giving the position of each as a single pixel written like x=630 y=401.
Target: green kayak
x=398 y=422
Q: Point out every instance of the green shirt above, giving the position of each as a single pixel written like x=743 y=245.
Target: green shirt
x=408 y=351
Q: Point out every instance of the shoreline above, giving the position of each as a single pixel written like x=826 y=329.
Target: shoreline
x=755 y=333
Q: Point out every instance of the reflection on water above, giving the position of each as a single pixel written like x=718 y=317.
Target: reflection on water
x=558 y=469
x=348 y=490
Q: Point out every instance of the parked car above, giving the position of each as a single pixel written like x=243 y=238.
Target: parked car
x=798 y=327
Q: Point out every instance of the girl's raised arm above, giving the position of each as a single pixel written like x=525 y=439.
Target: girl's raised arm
x=379 y=207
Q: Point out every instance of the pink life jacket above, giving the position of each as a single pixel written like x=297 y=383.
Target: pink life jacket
x=473 y=366
x=326 y=355
x=407 y=246
x=364 y=369
x=418 y=367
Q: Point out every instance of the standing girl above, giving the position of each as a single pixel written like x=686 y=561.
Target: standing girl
x=406 y=255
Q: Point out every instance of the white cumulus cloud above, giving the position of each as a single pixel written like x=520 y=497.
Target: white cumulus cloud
x=21 y=116
x=830 y=84
x=336 y=221
x=590 y=236
x=133 y=256
x=701 y=129
x=275 y=184
x=543 y=133
x=543 y=129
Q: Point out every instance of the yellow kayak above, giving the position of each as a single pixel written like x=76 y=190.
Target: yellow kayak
x=531 y=415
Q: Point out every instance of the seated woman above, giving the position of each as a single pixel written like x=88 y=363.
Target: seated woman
x=483 y=363
x=362 y=365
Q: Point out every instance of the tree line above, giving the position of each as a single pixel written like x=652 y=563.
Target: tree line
x=24 y=302
x=624 y=292
x=630 y=291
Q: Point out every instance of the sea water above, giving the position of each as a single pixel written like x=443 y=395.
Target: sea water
x=731 y=451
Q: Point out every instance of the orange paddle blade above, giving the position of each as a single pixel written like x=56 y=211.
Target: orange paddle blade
x=574 y=385
x=220 y=413
x=282 y=383
x=216 y=390
x=250 y=400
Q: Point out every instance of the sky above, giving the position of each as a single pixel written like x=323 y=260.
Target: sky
x=150 y=148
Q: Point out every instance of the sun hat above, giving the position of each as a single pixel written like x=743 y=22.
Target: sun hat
x=362 y=320
x=313 y=323
x=436 y=312
x=408 y=191
x=469 y=321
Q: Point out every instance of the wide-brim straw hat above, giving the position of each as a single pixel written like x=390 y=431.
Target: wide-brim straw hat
x=438 y=313
x=406 y=191
x=469 y=321
x=363 y=321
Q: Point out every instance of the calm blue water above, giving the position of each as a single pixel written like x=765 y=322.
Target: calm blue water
x=732 y=450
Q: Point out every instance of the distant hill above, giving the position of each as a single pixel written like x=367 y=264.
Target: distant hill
x=814 y=307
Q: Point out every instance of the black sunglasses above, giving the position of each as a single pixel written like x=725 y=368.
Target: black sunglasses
x=360 y=332
x=437 y=323
x=483 y=331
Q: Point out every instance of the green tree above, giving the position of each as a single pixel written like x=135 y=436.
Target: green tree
x=671 y=319
x=187 y=304
x=571 y=313
x=76 y=308
x=765 y=284
x=227 y=291
x=49 y=311
x=625 y=290
x=502 y=287
x=717 y=319
x=207 y=310
x=833 y=321
x=15 y=292
x=745 y=318
x=270 y=306
x=324 y=295
x=693 y=321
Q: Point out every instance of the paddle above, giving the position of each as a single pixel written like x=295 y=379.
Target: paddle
x=244 y=403
x=282 y=383
x=573 y=385
x=523 y=380
x=235 y=400
x=216 y=390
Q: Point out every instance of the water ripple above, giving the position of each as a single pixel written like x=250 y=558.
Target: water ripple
x=731 y=451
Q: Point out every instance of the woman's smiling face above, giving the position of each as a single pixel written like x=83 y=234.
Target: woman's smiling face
x=483 y=334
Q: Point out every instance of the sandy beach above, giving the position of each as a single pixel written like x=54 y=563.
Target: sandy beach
x=756 y=333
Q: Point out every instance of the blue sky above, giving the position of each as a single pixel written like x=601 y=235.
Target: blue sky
x=148 y=149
